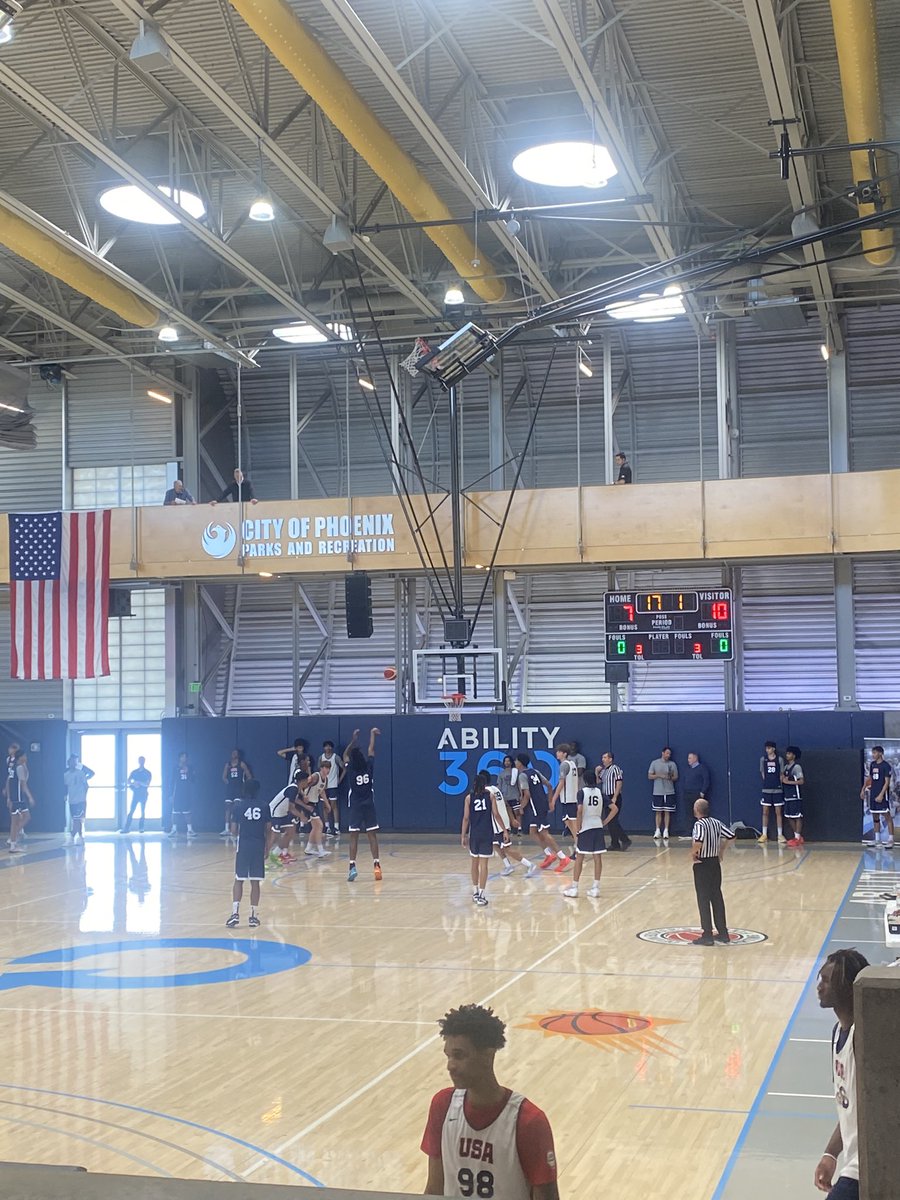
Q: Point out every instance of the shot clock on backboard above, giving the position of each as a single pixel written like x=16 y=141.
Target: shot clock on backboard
x=684 y=626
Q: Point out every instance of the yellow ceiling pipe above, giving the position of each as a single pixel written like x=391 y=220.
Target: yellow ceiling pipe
x=276 y=25
x=857 y=47
x=57 y=260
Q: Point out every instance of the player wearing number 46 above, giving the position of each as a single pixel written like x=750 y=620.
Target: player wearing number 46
x=482 y=1139
x=250 y=825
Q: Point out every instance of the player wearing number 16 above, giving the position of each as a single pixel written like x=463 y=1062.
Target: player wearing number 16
x=250 y=825
x=484 y=1140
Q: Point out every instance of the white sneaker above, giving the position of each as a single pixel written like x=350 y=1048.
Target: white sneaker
x=310 y=850
x=77 y=840
x=657 y=835
x=595 y=890
x=782 y=840
x=323 y=853
x=888 y=845
x=173 y=832
x=666 y=836
x=571 y=891
x=531 y=872
x=508 y=869
x=225 y=832
x=869 y=842
x=190 y=833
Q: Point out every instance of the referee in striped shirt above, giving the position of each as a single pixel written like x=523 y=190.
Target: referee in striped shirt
x=710 y=837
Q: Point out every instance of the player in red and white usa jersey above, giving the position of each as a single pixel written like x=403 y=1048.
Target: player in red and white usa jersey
x=483 y=1140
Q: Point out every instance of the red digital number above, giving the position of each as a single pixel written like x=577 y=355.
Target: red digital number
x=698 y=649
x=629 y=609
x=639 y=648
x=720 y=610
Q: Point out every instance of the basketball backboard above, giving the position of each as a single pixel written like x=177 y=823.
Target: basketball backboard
x=476 y=673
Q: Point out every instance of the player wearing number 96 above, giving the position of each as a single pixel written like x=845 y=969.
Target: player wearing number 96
x=250 y=825
x=484 y=1140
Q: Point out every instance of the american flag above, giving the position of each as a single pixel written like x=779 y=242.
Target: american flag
x=59 y=594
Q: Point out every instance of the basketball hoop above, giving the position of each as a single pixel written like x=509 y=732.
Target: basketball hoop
x=454 y=703
x=411 y=362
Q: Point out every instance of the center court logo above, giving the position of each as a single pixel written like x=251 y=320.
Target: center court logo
x=628 y=1031
x=686 y=936
x=219 y=539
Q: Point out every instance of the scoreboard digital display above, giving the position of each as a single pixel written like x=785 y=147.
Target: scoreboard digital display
x=683 y=626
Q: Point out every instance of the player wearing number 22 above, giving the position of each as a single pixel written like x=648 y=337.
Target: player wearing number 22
x=483 y=1140
x=250 y=824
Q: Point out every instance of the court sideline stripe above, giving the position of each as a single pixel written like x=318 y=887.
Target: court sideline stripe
x=719 y=1193
x=382 y=1075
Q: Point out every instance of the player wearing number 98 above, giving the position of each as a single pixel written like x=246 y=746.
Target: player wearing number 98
x=484 y=1140
x=250 y=825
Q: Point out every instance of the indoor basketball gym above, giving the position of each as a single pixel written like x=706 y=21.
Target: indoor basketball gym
x=496 y=379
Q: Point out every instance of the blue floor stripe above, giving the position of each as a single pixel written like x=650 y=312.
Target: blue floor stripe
x=785 y=1038
x=28 y=857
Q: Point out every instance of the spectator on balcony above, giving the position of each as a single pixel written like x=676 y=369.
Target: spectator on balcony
x=178 y=494
x=624 y=475
x=241 y=489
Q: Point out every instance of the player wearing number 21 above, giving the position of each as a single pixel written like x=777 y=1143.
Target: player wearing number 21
x=484 y=1140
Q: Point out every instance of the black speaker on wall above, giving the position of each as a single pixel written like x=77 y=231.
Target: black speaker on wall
x=358 y=604
x=119 y=602
x=616 y=672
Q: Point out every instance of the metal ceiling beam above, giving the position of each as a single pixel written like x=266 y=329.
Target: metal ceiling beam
x=608 y=131
x=776 y=73
x=242 y=121
x=374 y=57
x=20 y=87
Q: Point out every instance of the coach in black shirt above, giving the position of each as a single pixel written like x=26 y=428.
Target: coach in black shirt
x=240 y=489
x=624 y=475
x=710 y=837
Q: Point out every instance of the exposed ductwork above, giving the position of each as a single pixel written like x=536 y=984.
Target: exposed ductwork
x=276 y=25
x=857 y=49
x=52 y=256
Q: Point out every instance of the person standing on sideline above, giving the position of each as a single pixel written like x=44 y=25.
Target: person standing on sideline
x=589 y=839
x=480 y=817
x=139 y=783
x=696 y=784
x=184 y=782
x=624 y=475
x=771 y=769
x=878 y=787
x=9 y=785
x=250 y=825
x=362 y=800
x=710 y=837
x=535 y=812
x=20 y=804
x=611 y=783
x=295 y=753
x=76 y=779
x=792 y=783
x=483 y=1139
x=240 y=489
x=664 y=773
x=333 y=777
x=235 y=774
x=566 y=789
x=835 y=990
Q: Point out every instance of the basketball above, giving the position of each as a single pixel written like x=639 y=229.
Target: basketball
x=596 y=1024
x=390 y=672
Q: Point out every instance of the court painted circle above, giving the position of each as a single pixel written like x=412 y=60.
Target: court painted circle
x=684 y=936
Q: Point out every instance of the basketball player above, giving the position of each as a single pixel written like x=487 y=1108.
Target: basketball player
x=664 y=773
x=566 y=790
x=771 y=769
x=792 y=782
x=332 y=783
x=535 y=812
x=506 y=821
x=12 y=754
x=480 y=816
x=483 y=1139
x=75 y=780
x=592 y=815
x=250 y=825
x=21 y=803
x=294 y=753
x=281 y=818
x=362 y=800
x=182 y=799
x=312 y=801
x=878 y=787
x=835 y=990
x=235 y=774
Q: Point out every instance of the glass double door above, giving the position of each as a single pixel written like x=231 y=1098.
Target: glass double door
x=112 y=756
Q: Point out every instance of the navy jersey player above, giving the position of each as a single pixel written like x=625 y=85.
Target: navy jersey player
x=250 y=825
x=361 y=774
x=480 y=815
x=792 y=781
x=235 y=774
x=535 y=811
x=771 y=769
x=878 y=787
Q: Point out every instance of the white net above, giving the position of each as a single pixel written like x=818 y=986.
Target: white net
x=419 y=350
x=455 y=703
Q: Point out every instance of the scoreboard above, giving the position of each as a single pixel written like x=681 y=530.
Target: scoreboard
x=680 y=626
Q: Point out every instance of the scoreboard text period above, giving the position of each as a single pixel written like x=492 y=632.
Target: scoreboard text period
x=684 y=626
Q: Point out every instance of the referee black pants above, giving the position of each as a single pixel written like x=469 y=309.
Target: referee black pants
x=708 y=886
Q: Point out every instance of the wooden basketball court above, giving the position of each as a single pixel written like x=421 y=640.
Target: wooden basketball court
x=126 y=1055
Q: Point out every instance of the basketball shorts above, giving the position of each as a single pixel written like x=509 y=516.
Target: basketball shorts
x=480 y=847
x=591 y=841
x=250 y=861
x=501 y=837
x=776 y=799
x=537 y=814
x=20 y=806
x=793 y=809
x=880 y=806
x=77 y=809
x=664 y=803
x=568 y=811
x=280 y=824
x=332 y=794
x=363 y=816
